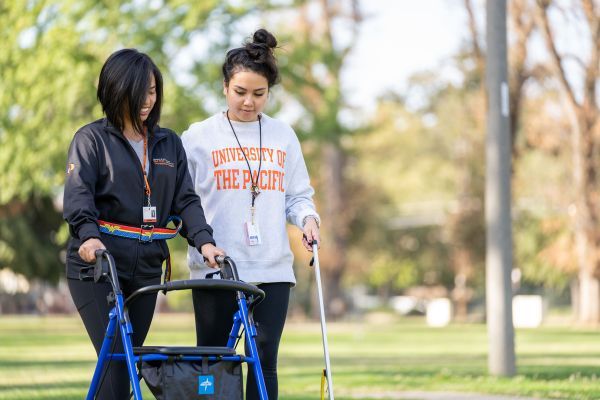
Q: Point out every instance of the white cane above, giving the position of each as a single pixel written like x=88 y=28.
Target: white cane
x=315 y=262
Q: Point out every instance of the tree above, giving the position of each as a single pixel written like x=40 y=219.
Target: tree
x=581 y=103
x=311 y=65
x=51 y=58
x=544 y=246
x=404 y=162
x=466 y=221
x=48 y=70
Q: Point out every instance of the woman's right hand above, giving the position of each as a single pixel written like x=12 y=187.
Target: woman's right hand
x=87 y=250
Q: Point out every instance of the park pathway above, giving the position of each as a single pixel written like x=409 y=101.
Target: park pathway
x=439 y=396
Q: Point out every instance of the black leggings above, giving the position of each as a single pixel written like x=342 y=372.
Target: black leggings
x=214 y=310
x=90 y=299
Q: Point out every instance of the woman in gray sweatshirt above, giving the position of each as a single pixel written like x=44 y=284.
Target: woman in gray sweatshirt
x=249 y=171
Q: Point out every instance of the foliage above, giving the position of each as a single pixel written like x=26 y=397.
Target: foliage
x=544 y=251
x=544 y=242
x=48 y=70
x=420 y=167
x=52 y=54
x=543 y=190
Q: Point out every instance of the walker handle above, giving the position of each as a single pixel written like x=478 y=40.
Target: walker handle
x=105 y=267
x=227 y=267
x=101 y=268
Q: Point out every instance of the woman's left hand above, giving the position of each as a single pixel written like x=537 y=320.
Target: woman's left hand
x=311 y=233
x=210 y=252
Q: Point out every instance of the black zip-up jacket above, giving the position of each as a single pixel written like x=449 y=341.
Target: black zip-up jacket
x=105 y=181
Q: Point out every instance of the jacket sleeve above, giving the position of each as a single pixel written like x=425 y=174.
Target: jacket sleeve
x=79 y=208
x=299 y=192
x=186 y=204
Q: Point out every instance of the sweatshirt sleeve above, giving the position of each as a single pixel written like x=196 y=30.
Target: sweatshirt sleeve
x=186 y=204
x=299 y=192
x=79 y=207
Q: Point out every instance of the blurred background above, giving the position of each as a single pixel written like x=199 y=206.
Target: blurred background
x=388 y=99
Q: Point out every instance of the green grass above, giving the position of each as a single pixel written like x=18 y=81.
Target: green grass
x=51 y=358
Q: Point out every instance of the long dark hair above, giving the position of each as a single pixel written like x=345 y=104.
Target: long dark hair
x=123 y=86
x=256 y=56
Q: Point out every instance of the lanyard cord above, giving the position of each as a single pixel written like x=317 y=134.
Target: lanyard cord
x=146 y=183
x=254 y=189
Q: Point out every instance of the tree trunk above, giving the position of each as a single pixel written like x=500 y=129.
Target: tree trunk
x=335 y=228
x=589 y=293
x=574 y=295
x=586 y=227
x=462 y=293
x=585 y=219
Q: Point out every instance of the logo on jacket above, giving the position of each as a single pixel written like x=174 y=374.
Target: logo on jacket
x=164 y=162
x=70 y=167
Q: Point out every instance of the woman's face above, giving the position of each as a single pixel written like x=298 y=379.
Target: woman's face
x=150 y=99
x=246 y=95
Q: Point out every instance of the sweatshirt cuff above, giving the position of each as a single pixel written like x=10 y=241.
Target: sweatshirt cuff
x=308 y=212
x=87 y=231
x=202 y=238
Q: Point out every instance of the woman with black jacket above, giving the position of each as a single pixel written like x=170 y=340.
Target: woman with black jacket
x=126 y=178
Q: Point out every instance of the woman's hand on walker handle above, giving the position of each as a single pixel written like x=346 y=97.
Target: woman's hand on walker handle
x=87 y=250
x=210 y=251
x=311 y=233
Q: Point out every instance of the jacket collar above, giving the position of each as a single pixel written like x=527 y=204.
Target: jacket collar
x=156 y=134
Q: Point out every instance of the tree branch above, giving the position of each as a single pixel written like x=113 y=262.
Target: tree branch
x=474 y=36
x=554 y=55
x=592 y=71
x=518 y=74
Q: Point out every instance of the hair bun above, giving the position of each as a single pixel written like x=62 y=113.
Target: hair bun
x=262 y=36
x=256 y=55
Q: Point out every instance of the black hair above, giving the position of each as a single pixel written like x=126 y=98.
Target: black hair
x=256 y=56
x=123 y=86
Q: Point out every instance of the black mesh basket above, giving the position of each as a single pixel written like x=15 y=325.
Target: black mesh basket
x=176 y=379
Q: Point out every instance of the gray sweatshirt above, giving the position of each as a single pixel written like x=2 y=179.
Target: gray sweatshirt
x=220 y=175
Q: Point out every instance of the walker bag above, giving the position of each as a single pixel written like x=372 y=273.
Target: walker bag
x=176 y=379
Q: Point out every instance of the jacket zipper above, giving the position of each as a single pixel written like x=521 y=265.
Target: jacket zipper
x=141 y=175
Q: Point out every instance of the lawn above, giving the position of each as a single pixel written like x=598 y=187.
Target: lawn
x=51 y=358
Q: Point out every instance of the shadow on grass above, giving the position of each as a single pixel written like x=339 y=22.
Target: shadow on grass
x=561 y=356
x=554 y=373
x=11 y=364
x=467 y=366
x=78 y=385
x=46 y=391
x=337 y=396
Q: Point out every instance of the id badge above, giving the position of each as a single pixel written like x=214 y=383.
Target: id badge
x=149 y=214
x=252 y=234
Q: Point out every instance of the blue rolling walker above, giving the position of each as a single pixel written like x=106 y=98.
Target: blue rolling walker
x=247 y=296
